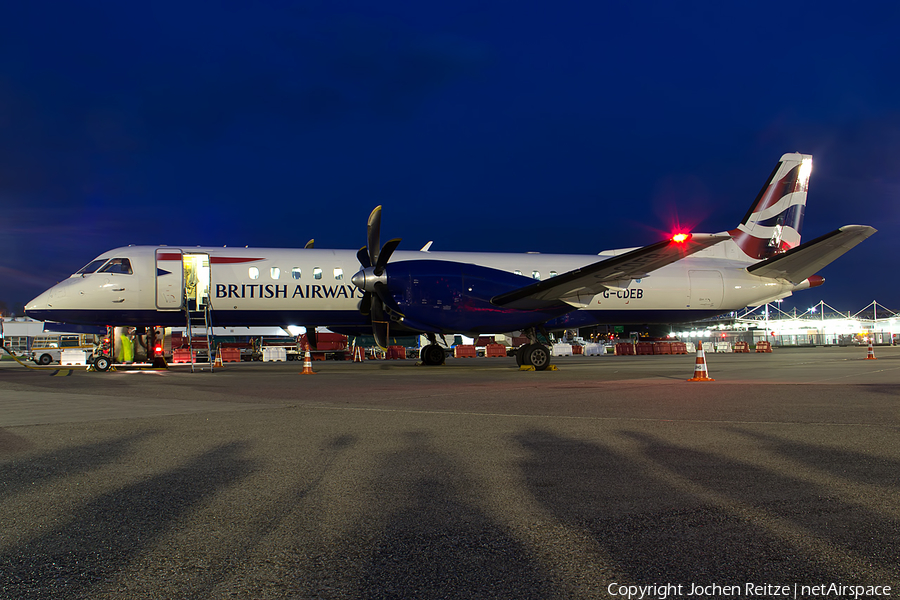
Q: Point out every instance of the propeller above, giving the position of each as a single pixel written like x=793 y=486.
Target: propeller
x=371 y=278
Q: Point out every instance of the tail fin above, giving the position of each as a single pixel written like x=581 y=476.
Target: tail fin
x=773 y=223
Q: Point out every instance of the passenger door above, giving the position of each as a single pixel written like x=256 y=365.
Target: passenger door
x=169 y=279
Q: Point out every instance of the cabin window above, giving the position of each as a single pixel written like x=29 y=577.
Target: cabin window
x=117 y=265
x=517 y=272
x=275 y=272
x=338 y=273
x=536 y=275
x=91 y=266
x=553 y=273
x=254 y=273
x=295 y=272
x=317 y=272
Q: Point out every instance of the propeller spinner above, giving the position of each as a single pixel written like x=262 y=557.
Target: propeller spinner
x=372 y=279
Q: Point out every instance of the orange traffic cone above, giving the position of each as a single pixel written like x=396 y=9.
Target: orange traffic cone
x=307 y=363
x=871 y=354
x=700 y=371
x=218 y=362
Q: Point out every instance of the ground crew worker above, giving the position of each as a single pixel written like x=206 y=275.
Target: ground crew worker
x=127 y=354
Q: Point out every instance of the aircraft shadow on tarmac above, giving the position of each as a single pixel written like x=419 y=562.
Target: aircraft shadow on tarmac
x=417 y=526
x=722 y=526
x=48 y=467
x=858 y=466
x=104 y=535
x=812 y=507
x=434 y=542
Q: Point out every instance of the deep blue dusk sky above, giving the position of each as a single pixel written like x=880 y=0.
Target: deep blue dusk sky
x=556 y=127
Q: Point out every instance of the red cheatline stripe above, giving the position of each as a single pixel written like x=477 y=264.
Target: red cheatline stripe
x=231 y=259
x=212 y=259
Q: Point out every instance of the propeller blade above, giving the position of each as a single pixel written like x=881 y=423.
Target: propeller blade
x=381 y=292
x=385 y=255
x=373 y=256
x=380 y=324
x=374 y=234
x=365 y=305
x=363 y=257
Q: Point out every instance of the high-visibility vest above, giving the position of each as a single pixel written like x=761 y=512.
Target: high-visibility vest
x=127 y=352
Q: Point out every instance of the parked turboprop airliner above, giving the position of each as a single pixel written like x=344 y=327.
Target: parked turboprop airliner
x=687 y=277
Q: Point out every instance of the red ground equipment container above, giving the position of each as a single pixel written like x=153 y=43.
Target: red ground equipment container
x=462 y=351
x=494 y=350
x=398 y=352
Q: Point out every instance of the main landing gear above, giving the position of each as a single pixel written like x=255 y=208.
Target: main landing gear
x=534 y=354
x=432 y=355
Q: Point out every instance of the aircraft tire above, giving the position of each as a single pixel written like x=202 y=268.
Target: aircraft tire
x=101 y=363
x=520 y=355
x=537 y=355
x=433 y=355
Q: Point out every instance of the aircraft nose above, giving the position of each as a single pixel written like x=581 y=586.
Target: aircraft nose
x=40 y=303
x=50 y=300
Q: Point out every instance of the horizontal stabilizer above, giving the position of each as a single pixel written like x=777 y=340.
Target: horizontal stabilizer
x=578 y=286
x=808 y=258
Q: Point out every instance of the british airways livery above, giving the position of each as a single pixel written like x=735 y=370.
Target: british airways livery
x=386 y=291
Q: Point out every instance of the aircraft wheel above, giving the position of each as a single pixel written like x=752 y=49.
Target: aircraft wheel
x=433 y=355
x=537 y=355
x=520 y=355
x=44 y=359
x=101 y=363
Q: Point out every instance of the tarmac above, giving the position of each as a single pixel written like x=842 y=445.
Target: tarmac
x=610 y=477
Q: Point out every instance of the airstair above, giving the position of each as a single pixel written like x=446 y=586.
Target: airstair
x=199 y=317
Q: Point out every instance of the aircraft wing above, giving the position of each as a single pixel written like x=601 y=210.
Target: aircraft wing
x=579 y=286
x=800 y=262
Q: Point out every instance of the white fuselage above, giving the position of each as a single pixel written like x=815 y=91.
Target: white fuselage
x=271 y=286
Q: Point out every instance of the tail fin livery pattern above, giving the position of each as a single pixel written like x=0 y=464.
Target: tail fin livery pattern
x=773 y=223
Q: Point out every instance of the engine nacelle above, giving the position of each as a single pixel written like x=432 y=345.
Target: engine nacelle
x=456 y=297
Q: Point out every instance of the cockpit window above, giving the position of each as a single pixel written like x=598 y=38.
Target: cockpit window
x=91 y=266
x=117 y=265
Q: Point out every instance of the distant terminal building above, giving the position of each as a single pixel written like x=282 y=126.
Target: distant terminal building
x=820 y=325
